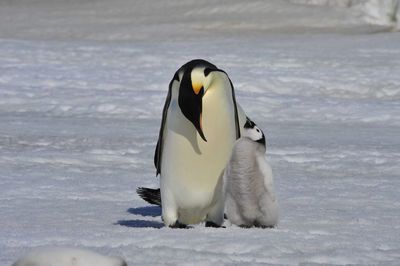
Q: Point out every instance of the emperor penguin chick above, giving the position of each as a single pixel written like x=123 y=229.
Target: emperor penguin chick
x=249 y=188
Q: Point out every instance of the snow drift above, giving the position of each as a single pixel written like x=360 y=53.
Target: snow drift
x=385 y=13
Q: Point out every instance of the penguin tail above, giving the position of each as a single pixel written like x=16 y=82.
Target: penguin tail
x=152 y=196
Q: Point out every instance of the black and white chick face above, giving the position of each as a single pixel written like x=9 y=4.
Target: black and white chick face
x=253 y=132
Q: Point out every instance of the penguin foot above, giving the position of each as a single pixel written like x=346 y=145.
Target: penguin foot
x=266 y=226
x=212 y=224
x=246 y=226
x=178 y=225
x=258 y=225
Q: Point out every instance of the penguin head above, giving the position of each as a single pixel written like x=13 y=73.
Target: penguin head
x=194 y=80
x=253 y=132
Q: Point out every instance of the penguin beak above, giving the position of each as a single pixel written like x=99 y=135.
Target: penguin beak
x=190 y=102
x=197 y=86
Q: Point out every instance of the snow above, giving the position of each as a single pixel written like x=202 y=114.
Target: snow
x=379 y=12
x=67 y=257
x=82 y=86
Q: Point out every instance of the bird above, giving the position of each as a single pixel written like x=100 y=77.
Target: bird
x=248 y=182
x=200 y=124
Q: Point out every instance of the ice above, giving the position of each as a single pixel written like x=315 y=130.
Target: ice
x=381 y=12
x=82 y=86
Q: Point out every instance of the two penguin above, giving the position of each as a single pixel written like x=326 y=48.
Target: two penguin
x=200 y=125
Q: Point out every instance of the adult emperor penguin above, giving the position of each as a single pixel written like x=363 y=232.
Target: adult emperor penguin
x=200 y=124
x=248 y=185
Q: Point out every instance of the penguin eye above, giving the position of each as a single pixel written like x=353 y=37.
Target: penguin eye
x=258 y=130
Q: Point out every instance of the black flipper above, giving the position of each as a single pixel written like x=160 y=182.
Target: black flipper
x=152 y=196
x=159 y=147
x=237 y=125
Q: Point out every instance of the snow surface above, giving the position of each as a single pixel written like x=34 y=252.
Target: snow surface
x=380 y=12
x=67 y=257
x=82 y=85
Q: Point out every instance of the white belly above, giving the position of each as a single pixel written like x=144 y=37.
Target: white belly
x=191 y=168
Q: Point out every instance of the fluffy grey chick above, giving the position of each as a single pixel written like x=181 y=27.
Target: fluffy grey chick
x=248 y=182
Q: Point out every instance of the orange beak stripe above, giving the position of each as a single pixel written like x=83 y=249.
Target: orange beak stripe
x=201 y=123
x=197 y=87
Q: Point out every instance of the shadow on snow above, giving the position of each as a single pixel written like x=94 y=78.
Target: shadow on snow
x=141 y=224
x=152 y=211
